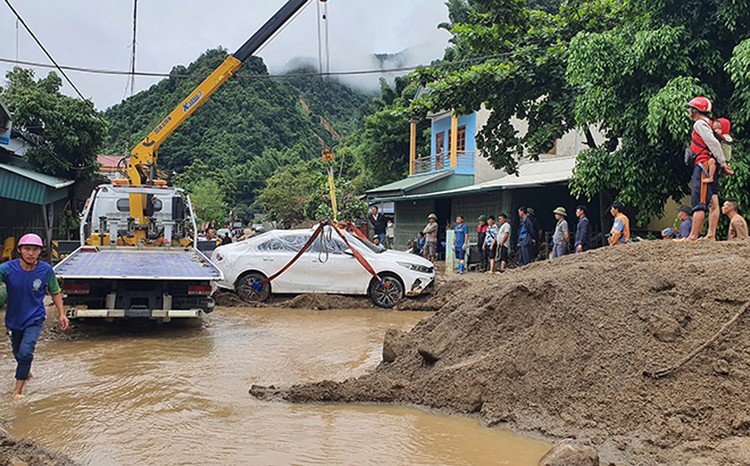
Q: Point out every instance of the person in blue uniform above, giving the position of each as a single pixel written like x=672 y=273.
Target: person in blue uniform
x=28 y=280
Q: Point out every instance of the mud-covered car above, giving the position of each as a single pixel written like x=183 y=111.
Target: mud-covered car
x=328 y=266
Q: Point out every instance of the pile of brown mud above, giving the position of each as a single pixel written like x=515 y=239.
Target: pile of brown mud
x=314 y=301
x=567 y=348
x=321 y=302
x=24 y=452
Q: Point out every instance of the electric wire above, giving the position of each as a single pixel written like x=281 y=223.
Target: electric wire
x=44 y=49
x=18 y=30
x=326 y=42
x=272 y=76
x=133 y=45
x=320 y=41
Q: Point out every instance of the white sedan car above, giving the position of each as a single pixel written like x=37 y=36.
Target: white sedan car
x=328 y=266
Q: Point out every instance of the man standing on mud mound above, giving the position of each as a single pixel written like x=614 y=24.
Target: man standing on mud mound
x=481 y=236
x=524 y=237
x=703 y=144
x=620 y=233
x=583 y=230
x=431 y=232
x=28 y=281
x=537 y=233
x=561 y=236
x=460 y=242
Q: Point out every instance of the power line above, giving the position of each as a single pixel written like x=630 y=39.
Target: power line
x=267 y=76
x=320 y=41
x=39 y=43
x=132 y=57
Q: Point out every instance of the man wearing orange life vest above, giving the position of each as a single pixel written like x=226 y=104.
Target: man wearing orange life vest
x=704 y=144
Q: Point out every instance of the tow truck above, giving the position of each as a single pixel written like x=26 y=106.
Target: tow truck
x=138 y=257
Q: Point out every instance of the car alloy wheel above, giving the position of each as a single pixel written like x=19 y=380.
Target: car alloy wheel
x=386 y=293
x=250 y=289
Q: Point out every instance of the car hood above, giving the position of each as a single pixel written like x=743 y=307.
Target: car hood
x=403 y=256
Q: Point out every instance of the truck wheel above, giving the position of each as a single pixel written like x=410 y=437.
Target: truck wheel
x=247 y=289
x=386 y=293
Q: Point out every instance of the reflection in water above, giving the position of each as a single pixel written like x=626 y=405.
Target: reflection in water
x=177 y=394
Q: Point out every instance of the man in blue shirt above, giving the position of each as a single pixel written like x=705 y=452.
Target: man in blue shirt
x=583 y=230
x=28 y=280
x=525 y=237
x=686 y=221
x=460 y=241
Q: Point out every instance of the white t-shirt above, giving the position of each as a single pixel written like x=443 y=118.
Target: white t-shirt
x=504 y=228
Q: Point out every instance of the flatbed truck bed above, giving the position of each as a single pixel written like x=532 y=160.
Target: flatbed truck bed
x=90 y=262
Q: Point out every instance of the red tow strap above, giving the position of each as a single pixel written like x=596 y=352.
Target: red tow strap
x=309 y=243
x=296 y=256
x=357 y=255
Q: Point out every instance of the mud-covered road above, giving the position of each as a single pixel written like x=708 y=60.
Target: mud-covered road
x=178 y=394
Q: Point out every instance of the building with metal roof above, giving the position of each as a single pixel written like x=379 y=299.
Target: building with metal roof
x=30 y=201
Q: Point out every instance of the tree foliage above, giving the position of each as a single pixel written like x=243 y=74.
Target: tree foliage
x=625 y=68
x=208 y=201
x=382 y=144
x=293 y=194
x=252 y=128
x=66 y=134
x=512 y=59
x=634 y=81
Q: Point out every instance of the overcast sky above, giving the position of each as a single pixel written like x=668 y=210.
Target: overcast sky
x=97 y=34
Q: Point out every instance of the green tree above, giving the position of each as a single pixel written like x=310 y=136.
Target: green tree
x=208 y=201
x=626 y=68
x=382 y=146
x=66 y=134
x=512 y=59
x=634 y=80
x=294 y=193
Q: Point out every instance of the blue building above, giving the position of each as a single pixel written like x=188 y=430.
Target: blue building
x=455 y=179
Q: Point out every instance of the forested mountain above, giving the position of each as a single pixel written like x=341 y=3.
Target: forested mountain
x=251 y=126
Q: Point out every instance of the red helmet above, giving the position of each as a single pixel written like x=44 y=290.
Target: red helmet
x=701 y=104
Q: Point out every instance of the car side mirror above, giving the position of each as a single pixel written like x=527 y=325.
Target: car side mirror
x=349 y=252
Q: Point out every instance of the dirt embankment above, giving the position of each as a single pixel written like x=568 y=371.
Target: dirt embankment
x=14 y=452
x=562 y=347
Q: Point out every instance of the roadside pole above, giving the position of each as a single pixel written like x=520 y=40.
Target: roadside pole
x=450 y=252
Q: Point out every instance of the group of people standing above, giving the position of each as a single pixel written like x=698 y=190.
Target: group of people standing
x=494 y=238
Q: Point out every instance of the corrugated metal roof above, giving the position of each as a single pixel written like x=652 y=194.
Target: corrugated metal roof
x=25 y=185
x=47 y=180
x=108 y=161
x=411 y=182
x=530 y=174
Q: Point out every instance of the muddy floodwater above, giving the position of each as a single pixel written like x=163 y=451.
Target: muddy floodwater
x=178 y=394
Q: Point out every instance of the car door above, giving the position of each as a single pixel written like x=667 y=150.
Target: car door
x=277 y=252
x=333 y=269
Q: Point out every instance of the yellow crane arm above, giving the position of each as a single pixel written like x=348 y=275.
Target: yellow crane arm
x=145 y=153
x=141 y=165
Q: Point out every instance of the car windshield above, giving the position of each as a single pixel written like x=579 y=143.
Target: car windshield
x=376 y=248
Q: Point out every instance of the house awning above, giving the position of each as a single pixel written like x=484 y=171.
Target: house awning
x=402 y=187
x=22 y=184
x=530 y=174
